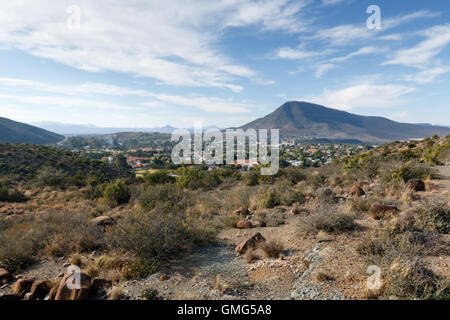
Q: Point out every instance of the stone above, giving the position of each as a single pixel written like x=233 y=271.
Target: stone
x=5 y=276
x=244 y=224
x=28 y=296
x=102 y=221
x=64 y=292
x=250 y=243
x=163 y=277
x=416 y=184
x=356 y=191
x=242 y=212
x=378 y=210
x=22 y=286
x=40 y=289
x=258 y=224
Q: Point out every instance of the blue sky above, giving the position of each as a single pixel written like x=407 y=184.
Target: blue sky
x=153 y=63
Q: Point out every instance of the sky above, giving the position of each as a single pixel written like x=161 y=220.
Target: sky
x=152 y=63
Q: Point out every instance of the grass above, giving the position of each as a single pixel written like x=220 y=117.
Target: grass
x=272 y=248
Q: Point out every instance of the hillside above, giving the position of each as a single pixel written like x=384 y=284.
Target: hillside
x=307 y=119
x=17 y=132
x=23 y=162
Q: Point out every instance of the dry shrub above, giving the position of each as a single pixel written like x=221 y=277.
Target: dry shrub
x=251 y=256
x=433 y=216
x=117 y=293
x=272 y=218
x=272 y=248
x=322 y=277
x=329 y=220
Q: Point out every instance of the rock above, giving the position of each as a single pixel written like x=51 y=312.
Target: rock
x=52 y=293
x=22 y=286
x=5 y=276
x=416 y=184
x=242 y=212
x=250 y=243
x=378 y=210
x=356 y=191
x=244 y=224
x=102 y=221
x=41 y=288
x=258 y=224
x=28 y=296
x=65 y=293
x=9 y=297
x=163 y=277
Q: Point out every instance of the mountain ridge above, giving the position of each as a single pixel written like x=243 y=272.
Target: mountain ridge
x=17 y=132
x=304 y=119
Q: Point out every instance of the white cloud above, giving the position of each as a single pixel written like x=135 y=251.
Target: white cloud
x=208 y=104
x=299 y=53
x=322 y=68
x=422 y=54
x=363 y=96
x=360 y=52
x=427 y=76
x=174 y=42
x=347 y=34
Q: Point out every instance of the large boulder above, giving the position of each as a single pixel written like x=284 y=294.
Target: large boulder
x=41 y=288
x=378 y=210
x=22 y=286
x=250 y=243
x=66 y=290
x=244 y=224
x=416 y=184
x=357 y=191
x=5 y=276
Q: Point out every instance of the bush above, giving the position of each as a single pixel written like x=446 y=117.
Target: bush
x=329 y=221
x=166 y=195
x=155 y=236
x=117 y=193
x=51 y=177
x=7 y=195
x=434 y=217
x=272 y=249
x=158 y=177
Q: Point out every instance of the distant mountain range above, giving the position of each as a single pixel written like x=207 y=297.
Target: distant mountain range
x=302 y=119
x=17 y=132
x=80 y=129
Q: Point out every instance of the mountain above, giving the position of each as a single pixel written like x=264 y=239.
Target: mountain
x=89 y=129
x=17 y=132
x=302 y=119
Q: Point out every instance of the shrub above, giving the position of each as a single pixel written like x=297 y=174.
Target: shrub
x=51 y=177
x=272 y=248
x=434 y=217
x=14 y=195
x=153 y=237
x=149 y=294
x=269 y=200
x=166 y=195
x=158 y=177
x=251 y=179
x=117 y=193
x=272 y=218
x=329 y=221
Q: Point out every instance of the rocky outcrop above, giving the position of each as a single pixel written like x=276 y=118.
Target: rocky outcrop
x=67 y=289
x=40 y=289
x=102 y=221
x=250 y=243
x=243 y=212
x=22 y=286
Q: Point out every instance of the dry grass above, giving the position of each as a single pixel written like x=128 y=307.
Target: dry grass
x=329 y=220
